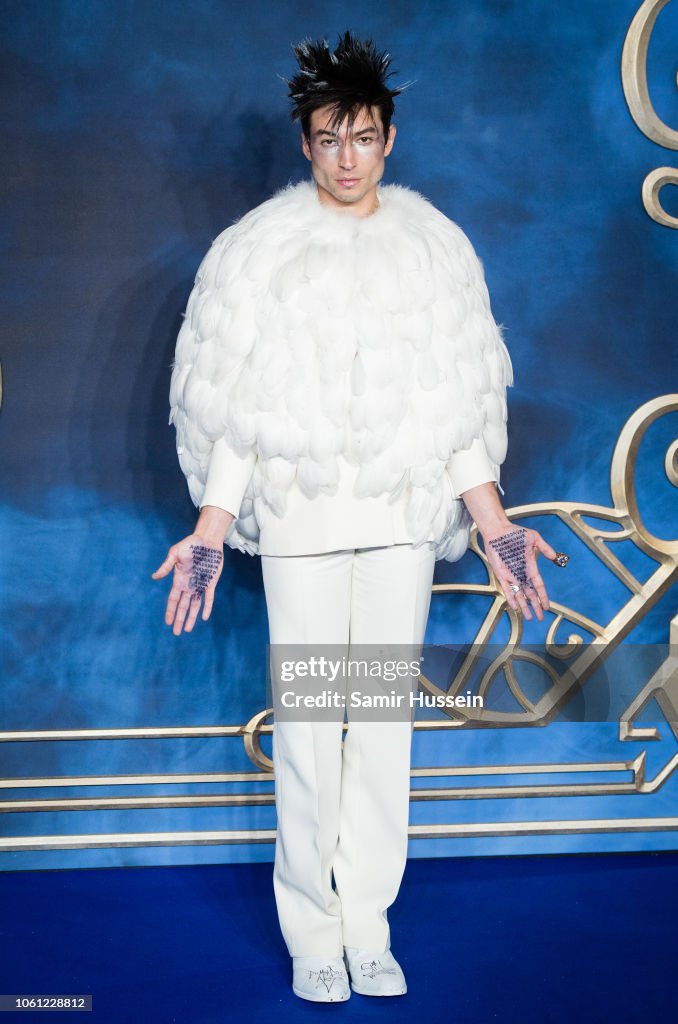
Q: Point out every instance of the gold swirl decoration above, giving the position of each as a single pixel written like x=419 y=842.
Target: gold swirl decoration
x=585 y=657
x=634 y=83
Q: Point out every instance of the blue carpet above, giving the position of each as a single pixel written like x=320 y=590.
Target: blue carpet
x=563 y=938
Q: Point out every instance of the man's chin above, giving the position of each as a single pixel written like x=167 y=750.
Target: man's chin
x=343 y=196
x=349 y=195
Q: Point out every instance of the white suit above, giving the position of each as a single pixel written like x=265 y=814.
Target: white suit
x=338 y=383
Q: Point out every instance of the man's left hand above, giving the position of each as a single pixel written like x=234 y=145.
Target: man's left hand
x=512 y=554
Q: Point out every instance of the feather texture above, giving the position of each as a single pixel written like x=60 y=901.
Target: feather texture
x=311 y=332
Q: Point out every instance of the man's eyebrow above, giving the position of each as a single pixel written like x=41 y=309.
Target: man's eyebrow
x=363 y=131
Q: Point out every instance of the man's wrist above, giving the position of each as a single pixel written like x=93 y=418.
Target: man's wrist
x=213 y=524
x=485 y=508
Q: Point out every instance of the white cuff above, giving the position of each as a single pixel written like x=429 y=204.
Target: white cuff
x=227 y=477
x=471 y=467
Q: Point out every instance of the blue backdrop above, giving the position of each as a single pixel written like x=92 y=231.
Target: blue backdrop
x=134 y=132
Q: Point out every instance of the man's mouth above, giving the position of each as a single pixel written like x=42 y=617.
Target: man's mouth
x=347 y=182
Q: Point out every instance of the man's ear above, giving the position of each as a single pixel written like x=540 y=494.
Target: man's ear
x=305 y=146
x=390 y=140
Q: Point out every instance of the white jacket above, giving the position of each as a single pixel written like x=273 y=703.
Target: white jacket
x=316 y=344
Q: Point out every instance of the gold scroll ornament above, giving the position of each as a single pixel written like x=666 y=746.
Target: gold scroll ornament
x=634 y=83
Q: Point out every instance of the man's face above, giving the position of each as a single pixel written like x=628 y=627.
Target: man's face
x=348 y=166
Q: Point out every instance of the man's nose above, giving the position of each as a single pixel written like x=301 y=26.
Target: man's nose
x=347 y=155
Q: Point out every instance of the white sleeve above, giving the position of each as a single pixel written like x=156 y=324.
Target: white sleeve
x=227 y=477
x=471 y=467
x=217 y=334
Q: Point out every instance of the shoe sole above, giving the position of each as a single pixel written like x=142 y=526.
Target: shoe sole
x=365 y=992
x=319 y=999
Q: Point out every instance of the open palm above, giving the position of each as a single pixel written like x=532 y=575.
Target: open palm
x=512 y=555
x=197 y=567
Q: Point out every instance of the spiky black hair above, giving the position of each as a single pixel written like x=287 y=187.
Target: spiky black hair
x=351 y=77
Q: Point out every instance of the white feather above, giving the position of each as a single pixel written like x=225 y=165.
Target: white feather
x=310 y=333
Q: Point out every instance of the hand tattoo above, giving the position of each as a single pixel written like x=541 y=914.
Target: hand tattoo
x=511 y=549
x=206 y=562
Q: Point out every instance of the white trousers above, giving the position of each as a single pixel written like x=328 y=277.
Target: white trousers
x=343 y=809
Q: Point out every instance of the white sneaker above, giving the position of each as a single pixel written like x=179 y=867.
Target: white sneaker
x=374 y=974
x=320 y=978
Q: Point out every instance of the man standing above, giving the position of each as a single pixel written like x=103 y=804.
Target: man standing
x=339 y=398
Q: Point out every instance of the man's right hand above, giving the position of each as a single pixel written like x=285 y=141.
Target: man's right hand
x=197 y=561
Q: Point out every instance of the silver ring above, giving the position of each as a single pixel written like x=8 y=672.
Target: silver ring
x=515 y=587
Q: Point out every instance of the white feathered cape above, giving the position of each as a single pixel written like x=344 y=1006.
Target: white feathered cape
x=311 y=331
